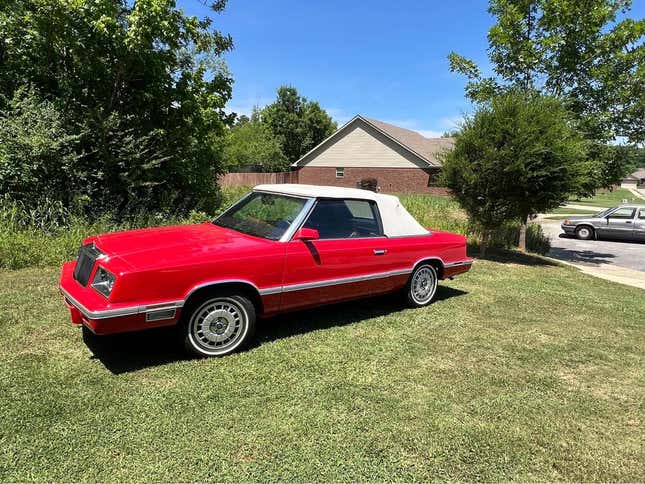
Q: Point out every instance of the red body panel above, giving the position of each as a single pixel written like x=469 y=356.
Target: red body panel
x=159 y=268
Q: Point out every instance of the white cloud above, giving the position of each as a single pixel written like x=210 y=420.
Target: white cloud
x=245 y=106
x=451 y=122
x=339 y=115
x=436 y=130
x=402 y=123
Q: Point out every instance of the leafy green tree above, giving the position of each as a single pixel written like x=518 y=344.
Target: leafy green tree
x=252 y=144
x=575 y=50
x=299 y=124
x=141 y=84
x=516 y=156
x=37 y=156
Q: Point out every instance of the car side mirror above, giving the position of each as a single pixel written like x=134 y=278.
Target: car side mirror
x=305 y=234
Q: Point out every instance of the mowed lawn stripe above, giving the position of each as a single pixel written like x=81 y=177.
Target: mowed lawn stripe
x=521 y=370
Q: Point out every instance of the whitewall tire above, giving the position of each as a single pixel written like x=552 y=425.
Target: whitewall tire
x=422 y=285
x=218 y=325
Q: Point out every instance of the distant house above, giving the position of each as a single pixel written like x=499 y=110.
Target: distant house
x=634 y=180
x=399 y=159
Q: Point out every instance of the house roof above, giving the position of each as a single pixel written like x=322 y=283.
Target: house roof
x=426 y=149
x=640 y=173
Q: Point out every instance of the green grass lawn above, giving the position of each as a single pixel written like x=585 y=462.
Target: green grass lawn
x=605 y=198
x=590 y=211
x=521 y=370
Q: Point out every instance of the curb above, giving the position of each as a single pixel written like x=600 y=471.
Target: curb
x=608 y=272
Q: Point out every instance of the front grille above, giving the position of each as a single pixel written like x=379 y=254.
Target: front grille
x=87 y=256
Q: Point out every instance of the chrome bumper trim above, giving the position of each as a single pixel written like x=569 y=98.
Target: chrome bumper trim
x=115 y=313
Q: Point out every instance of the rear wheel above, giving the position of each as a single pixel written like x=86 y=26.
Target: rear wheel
x=422 y=285
x=217 y=325
x=584 y=232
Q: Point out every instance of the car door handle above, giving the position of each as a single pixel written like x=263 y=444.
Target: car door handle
x=380 y=251
x=628 y=221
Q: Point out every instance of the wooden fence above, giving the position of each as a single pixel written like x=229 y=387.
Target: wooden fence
x=252 y=179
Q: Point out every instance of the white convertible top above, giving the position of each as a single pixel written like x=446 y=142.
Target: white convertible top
x=397 y=222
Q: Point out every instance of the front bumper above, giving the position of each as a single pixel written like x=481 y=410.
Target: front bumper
x=89 y=308
x=568 y=229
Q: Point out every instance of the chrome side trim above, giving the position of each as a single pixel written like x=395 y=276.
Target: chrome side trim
x=344 y=280
x=429 y=258
x=270 y=290
x=459 y=263
x=221 y=281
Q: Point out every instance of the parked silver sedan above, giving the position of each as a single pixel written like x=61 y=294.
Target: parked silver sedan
x=625 y=222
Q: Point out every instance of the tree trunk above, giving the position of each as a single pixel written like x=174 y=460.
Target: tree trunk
x=483 y=243
x=522 y=243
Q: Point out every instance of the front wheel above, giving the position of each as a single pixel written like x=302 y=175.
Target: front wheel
x=422 y=285
x=584 y=233
x=218 y=325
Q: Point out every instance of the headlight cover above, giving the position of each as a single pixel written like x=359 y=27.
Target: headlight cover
x=103 y=281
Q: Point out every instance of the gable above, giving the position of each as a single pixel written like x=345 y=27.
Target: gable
x=360 y=145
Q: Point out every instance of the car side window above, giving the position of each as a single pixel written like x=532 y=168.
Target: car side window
x=641 y=214
x=625 y=213
x=345 y=219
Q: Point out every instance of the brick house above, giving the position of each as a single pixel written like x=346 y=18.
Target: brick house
x=399 y=159
x=634 y=180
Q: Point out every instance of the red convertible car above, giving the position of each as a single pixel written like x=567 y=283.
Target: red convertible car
x=280 y=248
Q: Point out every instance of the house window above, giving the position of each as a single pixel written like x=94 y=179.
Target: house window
x=340 y=172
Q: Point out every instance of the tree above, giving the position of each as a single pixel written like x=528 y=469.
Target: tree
x=252 y=144
x=299 y=124
x=516 y=156
x=37 y=157
x=140 y=84
x=574 y=50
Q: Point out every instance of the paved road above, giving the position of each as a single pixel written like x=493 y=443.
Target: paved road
x=630 y=255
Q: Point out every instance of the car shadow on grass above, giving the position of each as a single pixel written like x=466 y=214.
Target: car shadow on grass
x=333 y=315
x=130 y=352
x=512 y=257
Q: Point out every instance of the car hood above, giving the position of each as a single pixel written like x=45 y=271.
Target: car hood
x=580 y=218
x=174 y=245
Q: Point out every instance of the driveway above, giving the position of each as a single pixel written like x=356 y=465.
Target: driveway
x=630 y=255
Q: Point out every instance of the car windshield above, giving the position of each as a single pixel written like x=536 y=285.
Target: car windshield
x=265 y=215
x=604 y=212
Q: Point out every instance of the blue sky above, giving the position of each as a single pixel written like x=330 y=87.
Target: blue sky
x=382 y=59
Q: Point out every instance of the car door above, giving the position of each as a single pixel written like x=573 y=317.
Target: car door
x=619 y=224
x=639 y=225
x=348 y=259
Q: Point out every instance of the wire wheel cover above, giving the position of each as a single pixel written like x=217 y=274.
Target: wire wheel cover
x=218 y=324
x=424 y=284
